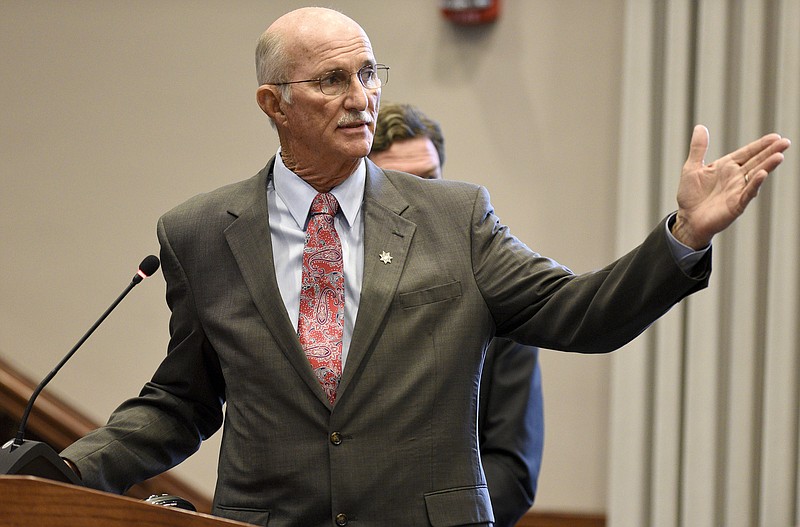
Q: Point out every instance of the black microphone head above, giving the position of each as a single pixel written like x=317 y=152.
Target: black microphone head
x=149 y=265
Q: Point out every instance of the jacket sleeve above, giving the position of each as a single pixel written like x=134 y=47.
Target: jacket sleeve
x=534 y=300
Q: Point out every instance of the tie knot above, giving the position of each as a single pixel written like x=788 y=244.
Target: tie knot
x=325 y=204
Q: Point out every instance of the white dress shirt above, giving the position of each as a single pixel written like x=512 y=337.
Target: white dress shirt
x=289 y=199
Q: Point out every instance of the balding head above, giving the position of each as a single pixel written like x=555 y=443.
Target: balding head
x=299 y=34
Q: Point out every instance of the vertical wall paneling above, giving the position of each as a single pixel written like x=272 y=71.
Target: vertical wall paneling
x=707 y=431
x=779 y=459
x=629 y=449
x=669 y=360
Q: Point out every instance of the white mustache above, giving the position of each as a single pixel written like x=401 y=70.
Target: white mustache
x=355 y=117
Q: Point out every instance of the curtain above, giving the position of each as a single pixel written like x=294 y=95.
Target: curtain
x=705 y=407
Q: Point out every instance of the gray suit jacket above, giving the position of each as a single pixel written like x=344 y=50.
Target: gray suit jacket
x=400 y=445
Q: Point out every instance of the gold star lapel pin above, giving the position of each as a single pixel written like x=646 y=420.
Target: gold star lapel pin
x=386 y=257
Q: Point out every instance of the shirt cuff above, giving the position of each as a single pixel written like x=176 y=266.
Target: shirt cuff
x=685 y=256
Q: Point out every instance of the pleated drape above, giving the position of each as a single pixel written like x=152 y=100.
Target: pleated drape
x=705 y=405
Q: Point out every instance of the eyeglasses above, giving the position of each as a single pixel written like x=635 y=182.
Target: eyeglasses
x=337 y=82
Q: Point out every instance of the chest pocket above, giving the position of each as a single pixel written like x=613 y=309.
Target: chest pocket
x=430 y=295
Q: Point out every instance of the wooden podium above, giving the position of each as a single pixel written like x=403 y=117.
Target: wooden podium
x=27 y=501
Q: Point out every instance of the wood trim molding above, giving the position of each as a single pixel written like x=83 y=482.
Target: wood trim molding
x=59 y=425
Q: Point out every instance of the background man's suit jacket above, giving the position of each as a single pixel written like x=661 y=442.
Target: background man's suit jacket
x=400 y=445
x=511 y=427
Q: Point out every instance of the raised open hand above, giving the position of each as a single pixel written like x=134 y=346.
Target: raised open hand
x=711 y=196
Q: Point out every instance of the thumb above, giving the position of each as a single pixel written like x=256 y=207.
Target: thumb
x=699 y=146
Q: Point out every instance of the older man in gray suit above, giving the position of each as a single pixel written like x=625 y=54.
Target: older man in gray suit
x=348 y=346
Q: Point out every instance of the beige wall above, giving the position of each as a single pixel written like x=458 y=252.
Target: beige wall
x=113 y=112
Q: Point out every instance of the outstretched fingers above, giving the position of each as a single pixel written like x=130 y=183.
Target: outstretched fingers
x=765 y=153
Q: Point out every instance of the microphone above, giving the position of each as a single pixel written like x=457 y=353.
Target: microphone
x=34 y=458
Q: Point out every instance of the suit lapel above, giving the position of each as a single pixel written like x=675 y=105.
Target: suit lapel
x=385 y=232
x=249 y=240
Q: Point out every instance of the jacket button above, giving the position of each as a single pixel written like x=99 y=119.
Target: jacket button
x=341 y=519
x=336 y=439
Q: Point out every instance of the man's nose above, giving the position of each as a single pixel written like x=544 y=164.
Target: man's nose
x=356 y=96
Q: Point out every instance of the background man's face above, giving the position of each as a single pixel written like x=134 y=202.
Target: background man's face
x=416 y=156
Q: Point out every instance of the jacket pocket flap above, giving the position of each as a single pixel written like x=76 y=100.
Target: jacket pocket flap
x=461 y=506
x=430 y=295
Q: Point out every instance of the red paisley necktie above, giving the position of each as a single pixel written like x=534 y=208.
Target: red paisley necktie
x=321 y=321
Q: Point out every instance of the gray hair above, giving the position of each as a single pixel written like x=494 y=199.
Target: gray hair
x=273 y=63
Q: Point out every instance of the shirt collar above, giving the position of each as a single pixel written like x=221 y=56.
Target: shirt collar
x=298 y=195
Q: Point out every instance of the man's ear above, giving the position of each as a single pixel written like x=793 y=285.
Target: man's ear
x=269 y=99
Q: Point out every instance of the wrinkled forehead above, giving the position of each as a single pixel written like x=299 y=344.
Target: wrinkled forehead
x=321 y=39
x=316 y=52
